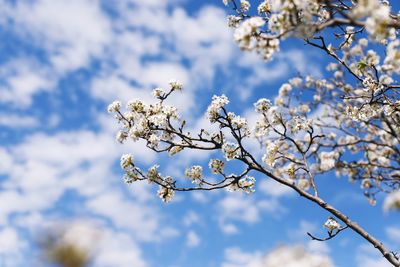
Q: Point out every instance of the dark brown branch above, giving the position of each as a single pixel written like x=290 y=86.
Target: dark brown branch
x=330 y=234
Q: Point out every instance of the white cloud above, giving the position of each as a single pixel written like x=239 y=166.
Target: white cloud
x=11 y=247
x=158 y=73
x=192 y=239
x=285 y=63
x=143 y=220
x=368 y=256
x=112 y=88
x=191 y=218
x=23 y=79
x=206 y=45
x=273 y=189
x=199 y=197
x=318 y=247
x=267 y=74
x=207 y=40
x=393 y=233
x=229 y=228
x=235 y=257
x=80 y=161
x=295 y=256
x=10 y=243
x=299 y=60
x=272 y=206
x=32 y=221
x=288 y=256
x=71 y=30
x=118 y=249
x=12 y=202
x=300 y=233
x=240 y=207
x=6 y=160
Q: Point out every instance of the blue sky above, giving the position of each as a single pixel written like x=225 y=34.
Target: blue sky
x=62 y=63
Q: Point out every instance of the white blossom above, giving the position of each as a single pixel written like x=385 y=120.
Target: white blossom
x=244 y=5
x=244 y=33
x=217 y=103
x=304 y=108
x=174 y=150
x=317 y=98
x=299 y=123
x=296 y=81
x=175 y=85
x=386 y=80
x=138 y=130
x=126 y=161
x=372 y=58
x=136 y=105
x=239 y=122
x=271 y=151
x=216 y=165
x=303 y=184
x=262 y=105
x=247 y=184
x=365 y=7
x=121 y=136
x=231 y=150
x=154 y=140
x=370 y=84
x=331 y=224
x=291 y=170
x=165 y=193
x=338 y=74
x=392 y=201
x=114 y=107
x=363 y=42
x=366 y=183
x=264 y=7
x=234 y=21
x=392 y=60
x=195 y=173
x=153 y=174
x=159 y=120
x=261 y=128
x=158 y=92
x=328 y=160
x=130 y=178
x=285 y=89
x=363 y=113
x=377 y=24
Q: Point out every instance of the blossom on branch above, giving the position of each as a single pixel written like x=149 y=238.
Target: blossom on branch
x=347 y=122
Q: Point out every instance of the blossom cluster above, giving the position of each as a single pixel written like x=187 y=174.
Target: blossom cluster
x=300 y=139
x=347 y=122
x=162 y=129
x=245 y=184
x=277 y=19
x=217 y=103
x=195 y=173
